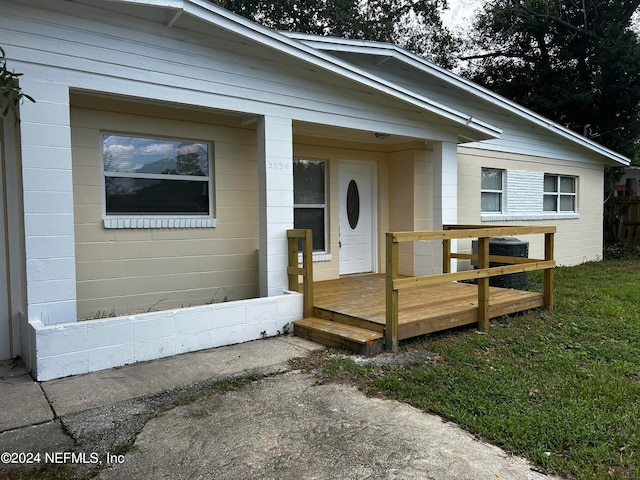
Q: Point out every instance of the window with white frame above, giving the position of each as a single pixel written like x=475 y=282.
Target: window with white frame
x=309 y=199
x=148 y=176
x=528 y=195
x=492 y=190
x=559 y=194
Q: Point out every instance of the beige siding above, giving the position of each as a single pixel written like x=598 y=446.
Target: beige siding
x=411 y=198
x=401 y=208
x=404 y=193
x=423 y=201
x=577 y=240
x=333 y=151
x=133 y=270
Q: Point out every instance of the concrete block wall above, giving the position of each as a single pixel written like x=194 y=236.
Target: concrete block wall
x=579 y=234
x=81 y=347
x=275 y=193
x=523 y=192
x=48 y=200
x=174 y=261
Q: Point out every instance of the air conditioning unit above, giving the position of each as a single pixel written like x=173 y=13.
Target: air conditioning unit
x=506 y=247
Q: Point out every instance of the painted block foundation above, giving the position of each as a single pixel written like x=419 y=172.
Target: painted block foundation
x=57 y=351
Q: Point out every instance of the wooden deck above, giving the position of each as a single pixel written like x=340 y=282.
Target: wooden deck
x=369 y=312
x=360 y=301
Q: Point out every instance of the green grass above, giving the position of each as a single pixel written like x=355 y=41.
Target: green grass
x=45 y=472
x=561 y=388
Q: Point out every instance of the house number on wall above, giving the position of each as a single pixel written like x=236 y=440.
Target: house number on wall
x=277 y=165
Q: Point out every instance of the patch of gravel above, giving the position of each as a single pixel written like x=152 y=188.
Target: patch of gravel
x=398 y=359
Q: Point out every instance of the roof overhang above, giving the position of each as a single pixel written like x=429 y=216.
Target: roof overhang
x=470 y=128
x=384 y=51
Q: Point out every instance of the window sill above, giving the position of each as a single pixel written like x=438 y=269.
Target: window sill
x=494 y=217
x=317 y=257
x=159 y=221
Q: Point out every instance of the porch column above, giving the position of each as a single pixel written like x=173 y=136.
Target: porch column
x=48 y=200
x=444 y=159
x=275 y=189
x=445 y=184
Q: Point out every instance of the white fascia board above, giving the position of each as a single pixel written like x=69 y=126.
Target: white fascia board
x=390 y=50
x=229 y=21
x=174 y=4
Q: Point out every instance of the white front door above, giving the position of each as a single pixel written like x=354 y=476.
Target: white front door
x=356 y=213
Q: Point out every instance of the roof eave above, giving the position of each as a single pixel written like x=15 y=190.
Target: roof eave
x=390 y=50
x=232 y=22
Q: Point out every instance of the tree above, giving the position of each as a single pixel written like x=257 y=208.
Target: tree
x=574 y=61
x=11 y=95
x=412 y=24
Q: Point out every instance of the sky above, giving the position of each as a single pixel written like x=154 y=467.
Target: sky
x=461 y=12
x=148 y=155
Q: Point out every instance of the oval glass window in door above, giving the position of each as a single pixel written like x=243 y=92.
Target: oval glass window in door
x=353 y=204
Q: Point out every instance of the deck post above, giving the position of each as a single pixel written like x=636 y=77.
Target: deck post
x=292 y=246
x=294 y=271
x=307 y=279
x=446 y=255
x=391 y=330
x=548 y=273
x=483 y=284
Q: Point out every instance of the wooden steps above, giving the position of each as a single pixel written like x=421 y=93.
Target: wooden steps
x=334 y=334
x=351 y=311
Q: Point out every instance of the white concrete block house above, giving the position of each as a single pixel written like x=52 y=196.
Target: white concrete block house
x=147 y=192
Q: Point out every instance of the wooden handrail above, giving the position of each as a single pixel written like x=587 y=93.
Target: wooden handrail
x=451 y=233
x=410 y=282
x=294 y=270
x=482 y=274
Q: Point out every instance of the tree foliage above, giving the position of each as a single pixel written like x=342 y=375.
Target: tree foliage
x=10 y=92
x=412 y=24
x=574 y=61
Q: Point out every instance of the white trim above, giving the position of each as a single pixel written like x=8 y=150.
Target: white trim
x=529 y=217
x=165 y=221
x=559 y=194
x=502 y=192
x=318 y=257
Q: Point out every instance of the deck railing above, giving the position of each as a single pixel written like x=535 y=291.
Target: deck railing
x=294 y=270
x=395 y=283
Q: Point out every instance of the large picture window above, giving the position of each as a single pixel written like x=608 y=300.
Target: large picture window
x=156 y=176
x=309 y=199
x=492 y=188
x=559 y=193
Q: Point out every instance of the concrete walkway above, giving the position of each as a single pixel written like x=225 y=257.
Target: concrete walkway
x=278 y=427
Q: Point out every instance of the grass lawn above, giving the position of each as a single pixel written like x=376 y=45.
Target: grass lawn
x=561 y=388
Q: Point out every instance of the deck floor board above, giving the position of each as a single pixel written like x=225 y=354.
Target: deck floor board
x=422 y=309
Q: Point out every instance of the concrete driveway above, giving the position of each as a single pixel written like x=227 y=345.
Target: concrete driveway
x=285 y=425
x=289 y=427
